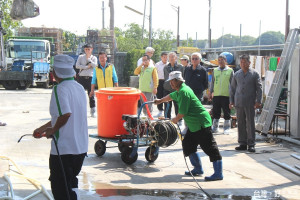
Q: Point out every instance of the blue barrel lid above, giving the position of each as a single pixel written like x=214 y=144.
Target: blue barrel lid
x=229 y=57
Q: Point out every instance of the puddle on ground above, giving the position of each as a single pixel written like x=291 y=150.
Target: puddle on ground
x=173 y=194
x=108 y=190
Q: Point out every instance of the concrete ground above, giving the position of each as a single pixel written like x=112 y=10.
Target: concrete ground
x=246 y=175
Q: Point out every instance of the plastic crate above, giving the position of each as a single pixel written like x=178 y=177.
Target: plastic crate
x=41 y=68
x=18 y=65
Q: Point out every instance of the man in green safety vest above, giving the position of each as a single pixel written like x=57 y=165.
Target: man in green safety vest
x=219 y=93
x=148 y=81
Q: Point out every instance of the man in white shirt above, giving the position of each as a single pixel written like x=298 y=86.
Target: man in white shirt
x=86 y=64
x=68 y=126
x=161 y=77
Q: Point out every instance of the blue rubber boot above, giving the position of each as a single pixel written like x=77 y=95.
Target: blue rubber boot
x=196 y=162
x=218 y=175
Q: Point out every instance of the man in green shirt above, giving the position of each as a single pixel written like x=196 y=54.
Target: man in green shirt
x=199 y=124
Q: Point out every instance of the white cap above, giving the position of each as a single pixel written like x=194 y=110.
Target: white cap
x=185 y=57
x=177 y=75
x=63 y=66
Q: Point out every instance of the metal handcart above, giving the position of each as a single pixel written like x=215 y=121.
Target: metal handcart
x=141 y=131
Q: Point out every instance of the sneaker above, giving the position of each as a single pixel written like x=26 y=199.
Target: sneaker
x=241 y=148
x=251 y=149
x=227 y=125
x=93 y=111
x=215 y=126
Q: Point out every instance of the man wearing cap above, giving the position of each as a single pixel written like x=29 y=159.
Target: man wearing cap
x=86 y=64
x=68 y=126
x=196 y=76
x=198 y=122
x=184 y=62
x=219 y=93
x=150 y=52
x=172 y=66
x=148 y=81
x=160 y=71
x=104 y=74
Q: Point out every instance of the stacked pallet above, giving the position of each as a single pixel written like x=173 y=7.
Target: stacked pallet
x=55 y=33
x=102 y=41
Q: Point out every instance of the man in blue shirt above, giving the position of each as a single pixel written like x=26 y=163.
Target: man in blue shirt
x=104 y=74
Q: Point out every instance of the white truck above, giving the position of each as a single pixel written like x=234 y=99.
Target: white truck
x=30 y=53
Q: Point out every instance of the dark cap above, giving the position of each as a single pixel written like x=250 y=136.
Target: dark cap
x=88 y=46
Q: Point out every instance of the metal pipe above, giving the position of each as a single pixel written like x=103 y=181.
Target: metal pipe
x=295 y=156
x=285 y=166
x=10 y=186
x=297 y=166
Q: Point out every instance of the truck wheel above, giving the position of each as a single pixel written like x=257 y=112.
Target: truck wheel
x=46 y=84
x=10 y=85
x=27 y=85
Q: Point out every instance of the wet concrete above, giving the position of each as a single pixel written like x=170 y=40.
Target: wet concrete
x=246 y=175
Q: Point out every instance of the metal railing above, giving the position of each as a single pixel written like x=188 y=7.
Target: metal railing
x=245 y=48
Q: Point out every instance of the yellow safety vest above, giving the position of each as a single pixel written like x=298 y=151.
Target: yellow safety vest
x=107 y=80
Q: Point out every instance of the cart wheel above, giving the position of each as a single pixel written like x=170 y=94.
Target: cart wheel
x=100 y=148
x=125 y=156
x=149 y=154
x=121 y=146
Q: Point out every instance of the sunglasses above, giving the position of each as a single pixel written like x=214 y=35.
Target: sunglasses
x=195 y=58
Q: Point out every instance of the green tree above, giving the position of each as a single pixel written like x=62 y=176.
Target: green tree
x=69 y=41
x=248 y=40
x=270 y=37
x=164 y=39
x=228 y=41
x=8 y=24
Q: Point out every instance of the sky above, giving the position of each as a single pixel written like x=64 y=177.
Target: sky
x=226 y=16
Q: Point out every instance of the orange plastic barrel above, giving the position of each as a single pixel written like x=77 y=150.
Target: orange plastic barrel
x=112 y=103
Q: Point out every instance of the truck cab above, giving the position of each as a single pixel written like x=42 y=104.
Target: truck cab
x=36 y=56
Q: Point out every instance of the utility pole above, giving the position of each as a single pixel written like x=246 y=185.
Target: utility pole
x=177 y=10
x=102 y=14
x=150 y=25
x=112 y=15
x=287 y=19
x=187 y=39
x=240 y=35
x=144 y=15
x=209 y=30
x=196 y=40
x=259 y=37
x=222 y=37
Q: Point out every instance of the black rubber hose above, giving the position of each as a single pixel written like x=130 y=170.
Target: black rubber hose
x=62 y=169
